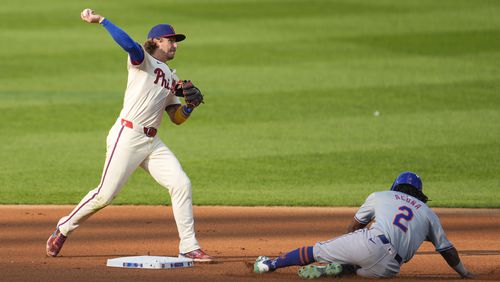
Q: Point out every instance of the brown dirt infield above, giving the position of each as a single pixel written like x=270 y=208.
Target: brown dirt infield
x=234 y=235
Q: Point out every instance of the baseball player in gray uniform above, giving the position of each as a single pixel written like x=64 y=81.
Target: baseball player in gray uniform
x=152 y=89
x=401 y=221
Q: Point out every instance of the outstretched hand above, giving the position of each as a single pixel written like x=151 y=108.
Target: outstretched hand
x=468 y=275
x=90 y=16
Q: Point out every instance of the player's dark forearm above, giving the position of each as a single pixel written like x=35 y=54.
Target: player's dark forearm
x=125 y=41
x=453 y=260
x=451 y=256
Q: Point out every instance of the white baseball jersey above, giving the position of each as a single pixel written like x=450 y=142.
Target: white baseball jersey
x=404 y=220
x=148 y=92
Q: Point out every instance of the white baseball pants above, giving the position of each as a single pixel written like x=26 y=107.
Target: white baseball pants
x=126 y=150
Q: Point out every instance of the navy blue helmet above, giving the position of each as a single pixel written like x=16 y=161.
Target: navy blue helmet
x=409 y=178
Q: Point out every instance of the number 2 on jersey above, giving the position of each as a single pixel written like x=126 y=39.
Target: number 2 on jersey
x=406 y=215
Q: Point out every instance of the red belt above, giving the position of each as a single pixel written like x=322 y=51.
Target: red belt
x=149 y=131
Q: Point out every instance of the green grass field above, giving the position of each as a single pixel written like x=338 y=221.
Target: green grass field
x=291 y=89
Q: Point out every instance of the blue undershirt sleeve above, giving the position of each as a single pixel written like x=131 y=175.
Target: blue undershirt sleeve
x=125 y=41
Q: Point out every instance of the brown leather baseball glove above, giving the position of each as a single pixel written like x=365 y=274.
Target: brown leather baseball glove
x=191 y=94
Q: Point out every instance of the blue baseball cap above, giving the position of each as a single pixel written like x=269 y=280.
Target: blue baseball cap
x=409 y=178
x=163 y=31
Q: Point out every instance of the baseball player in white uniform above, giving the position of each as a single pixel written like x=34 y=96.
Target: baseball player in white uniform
x=401 y=221
x=132 y=141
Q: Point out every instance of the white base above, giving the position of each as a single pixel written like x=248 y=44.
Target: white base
x=151 y=262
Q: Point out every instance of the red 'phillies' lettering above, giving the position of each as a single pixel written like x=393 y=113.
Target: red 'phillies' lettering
x=164 y=82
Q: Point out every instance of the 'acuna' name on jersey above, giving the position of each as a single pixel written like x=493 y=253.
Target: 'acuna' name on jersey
x=408 y=200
